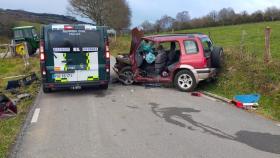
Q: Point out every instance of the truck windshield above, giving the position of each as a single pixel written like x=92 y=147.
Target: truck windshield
x=74 y=38
x=18 y=34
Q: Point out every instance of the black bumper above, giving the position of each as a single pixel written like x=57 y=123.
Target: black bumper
x=76 y=85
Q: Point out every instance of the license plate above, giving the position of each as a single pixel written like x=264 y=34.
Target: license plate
x=65 y=75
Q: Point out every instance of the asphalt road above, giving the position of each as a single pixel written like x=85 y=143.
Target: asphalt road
x=139 y=122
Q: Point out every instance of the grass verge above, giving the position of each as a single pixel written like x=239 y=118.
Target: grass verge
x=9 y=128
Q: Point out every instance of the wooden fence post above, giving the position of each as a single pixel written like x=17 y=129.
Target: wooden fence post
x=267 y=55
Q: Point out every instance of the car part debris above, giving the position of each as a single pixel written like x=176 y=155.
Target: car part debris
x=21 y=97
x=152 y=85
x=249 y=101
x=197 y=94
x=27 y=80
x=7 y=107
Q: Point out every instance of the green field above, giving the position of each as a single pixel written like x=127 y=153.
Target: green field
x=244 y=70
x=9 y=128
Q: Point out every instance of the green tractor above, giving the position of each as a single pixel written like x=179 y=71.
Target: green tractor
x=27 y=34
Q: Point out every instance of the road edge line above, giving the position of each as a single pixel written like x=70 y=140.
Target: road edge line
x=35 y=115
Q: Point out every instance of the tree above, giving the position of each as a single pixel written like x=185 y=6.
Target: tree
x=226 y=16
x=165 y=22
x=211 y=19
x=147 y=26
x=113 y=13
x=272 y=13
x=257 y=16
x=183 y=16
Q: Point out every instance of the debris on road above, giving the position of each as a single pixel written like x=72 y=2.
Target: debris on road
x=152 y=85
x=7 y=107
x=25 y=81
x=197 y=94
x=249 y=101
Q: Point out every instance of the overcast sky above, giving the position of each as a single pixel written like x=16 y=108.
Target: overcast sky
x=148 y=9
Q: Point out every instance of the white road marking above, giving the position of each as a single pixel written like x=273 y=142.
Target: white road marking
x=35 y=116
x=278 y=125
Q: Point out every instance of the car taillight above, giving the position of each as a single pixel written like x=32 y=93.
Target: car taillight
x=107 y=50
x=42 y=50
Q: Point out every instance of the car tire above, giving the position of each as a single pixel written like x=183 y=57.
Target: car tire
x=185 y=81
x=217 y=57
x=47 y=90
x=126 y=76
x=104 y=87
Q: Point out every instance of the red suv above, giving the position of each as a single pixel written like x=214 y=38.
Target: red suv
x=181 y=59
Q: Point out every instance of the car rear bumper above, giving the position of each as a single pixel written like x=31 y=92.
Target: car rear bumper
x=76 y=85
x=203 y=74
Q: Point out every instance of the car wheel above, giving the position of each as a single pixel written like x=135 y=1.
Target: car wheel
x=217 y=57
x=126 y=76
x=47 y=90
x=185 y=81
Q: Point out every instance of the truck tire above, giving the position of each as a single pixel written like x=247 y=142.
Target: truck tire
x=46 y=90
x=104 y=87
x=217 y=56
x=185 y=81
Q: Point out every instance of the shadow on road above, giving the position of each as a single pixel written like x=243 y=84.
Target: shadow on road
x=95 y=91
x=260 y=141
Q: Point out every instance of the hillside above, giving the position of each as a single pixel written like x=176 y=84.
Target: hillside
x=244 y=70
x=11 y=18
x=43 y=18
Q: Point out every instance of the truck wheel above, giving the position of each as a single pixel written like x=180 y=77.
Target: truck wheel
x=104 y=86
x=217 y=56
x=126 y=76
x=185 y=81
x=46 y=90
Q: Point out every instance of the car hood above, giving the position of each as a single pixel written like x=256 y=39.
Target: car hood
x=137 y=34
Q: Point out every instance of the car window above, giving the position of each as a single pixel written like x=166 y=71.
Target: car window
x=191 y=47
x=168 y=45
x=207 y=44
